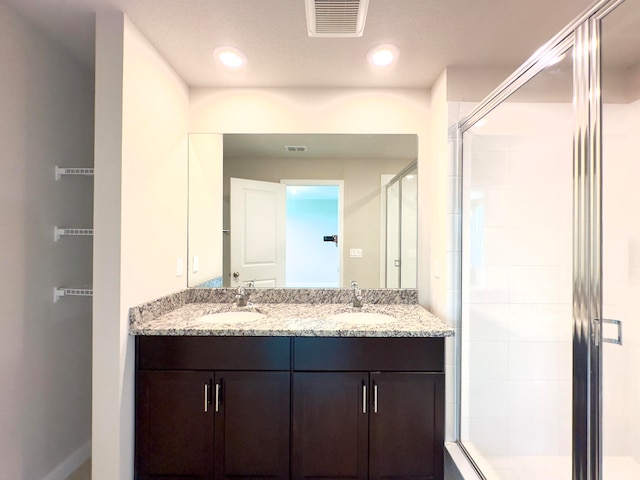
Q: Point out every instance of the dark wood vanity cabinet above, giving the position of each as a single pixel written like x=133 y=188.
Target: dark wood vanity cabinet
x=300 y=408
x=217 y=422
x=384 y=421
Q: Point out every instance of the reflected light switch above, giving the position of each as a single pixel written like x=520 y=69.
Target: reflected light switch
x=355 y=253
x=196 y=263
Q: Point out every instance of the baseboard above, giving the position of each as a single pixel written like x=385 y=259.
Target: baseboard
x=71 y=463
x=456 y=464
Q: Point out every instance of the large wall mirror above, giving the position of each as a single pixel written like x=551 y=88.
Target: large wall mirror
x=302 y=210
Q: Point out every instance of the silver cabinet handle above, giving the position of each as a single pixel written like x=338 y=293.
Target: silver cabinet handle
x=364 y=398
x=375 y=398
x=218 y=397
x=206 y=397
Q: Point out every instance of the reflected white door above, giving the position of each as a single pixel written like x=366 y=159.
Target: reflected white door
x=258 y=229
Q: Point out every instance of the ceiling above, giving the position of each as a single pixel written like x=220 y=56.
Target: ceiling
x=431 y=35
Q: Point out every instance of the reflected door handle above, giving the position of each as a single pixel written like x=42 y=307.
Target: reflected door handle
x=236 y=274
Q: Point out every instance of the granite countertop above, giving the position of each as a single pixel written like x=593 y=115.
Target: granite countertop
x=298 y=313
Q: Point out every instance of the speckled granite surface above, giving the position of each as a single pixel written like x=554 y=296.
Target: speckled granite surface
x=288 y=312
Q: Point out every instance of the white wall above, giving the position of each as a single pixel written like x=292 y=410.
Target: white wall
x=140 y=218
x=46 y=119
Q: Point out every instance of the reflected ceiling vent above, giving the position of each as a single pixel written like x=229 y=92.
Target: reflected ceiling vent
x=295 y=148
x=336 y=18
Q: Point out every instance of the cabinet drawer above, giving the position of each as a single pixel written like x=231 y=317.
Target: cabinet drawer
x=369 y=354
x=213 y=353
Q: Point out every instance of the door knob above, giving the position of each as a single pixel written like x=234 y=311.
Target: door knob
x=236 y=274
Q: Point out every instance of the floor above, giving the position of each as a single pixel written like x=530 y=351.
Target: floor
x=82 y=473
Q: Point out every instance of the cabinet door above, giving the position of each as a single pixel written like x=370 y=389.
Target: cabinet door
x=406 y=426
x=330 y=417
x=174 y=425
x=252 y=425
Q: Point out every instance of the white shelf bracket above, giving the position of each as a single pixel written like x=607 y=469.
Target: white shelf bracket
x=60 y=171
x=59 y=232
x=59 y=292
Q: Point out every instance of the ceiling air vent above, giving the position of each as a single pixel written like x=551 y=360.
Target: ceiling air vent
x=336 y=18
x=295 y=148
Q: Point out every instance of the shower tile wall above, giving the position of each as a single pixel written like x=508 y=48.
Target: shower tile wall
x=621 y=279
x=517 y=309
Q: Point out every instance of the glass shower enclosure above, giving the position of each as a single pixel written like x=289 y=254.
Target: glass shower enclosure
x=550 y=242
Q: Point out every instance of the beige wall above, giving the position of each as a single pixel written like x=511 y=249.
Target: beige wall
x=361 y=201
x=140 y=218
x=46 y=119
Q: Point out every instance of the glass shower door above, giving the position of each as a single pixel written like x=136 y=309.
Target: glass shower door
x=516 y=330
x=620 y=363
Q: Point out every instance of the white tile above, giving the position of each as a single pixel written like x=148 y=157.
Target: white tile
x=453 y=307
x=454 y=232
x=450 y=384
x=540 y=246
x=453 y=273
x=488 y=360
x=488 y=398
x=498 y=210
x=541 y=208
x=496 y=246
x=449 y=422
x=535 y=284
x=536 y=399
x=489 y=435
x=533 y=360
x=488 y=322
x=533 y=436
x=539 y=322
x=488 y=284
x=453 y=195
x=490 y=168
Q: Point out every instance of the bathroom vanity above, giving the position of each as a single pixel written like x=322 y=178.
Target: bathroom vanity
x=297 y=393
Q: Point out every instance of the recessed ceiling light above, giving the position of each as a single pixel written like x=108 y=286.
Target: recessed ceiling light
x=230 y=57
x=383 y=56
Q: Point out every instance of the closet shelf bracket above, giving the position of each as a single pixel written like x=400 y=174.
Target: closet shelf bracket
x=60 y=171
x=59 y=232
x=60 y=292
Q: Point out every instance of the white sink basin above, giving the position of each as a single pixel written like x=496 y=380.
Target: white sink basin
x=364 y=318
x=231 y=317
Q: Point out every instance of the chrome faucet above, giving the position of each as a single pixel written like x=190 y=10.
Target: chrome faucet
x=357 y=295
x=242 y=296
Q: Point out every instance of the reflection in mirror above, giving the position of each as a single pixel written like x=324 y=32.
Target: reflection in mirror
x=300 y=210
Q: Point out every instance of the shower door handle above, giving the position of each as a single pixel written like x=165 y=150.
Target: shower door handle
x=617 y=323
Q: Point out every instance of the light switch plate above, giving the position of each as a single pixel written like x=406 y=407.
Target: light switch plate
x=196 y=263
x=355 y=253
x=179 y=267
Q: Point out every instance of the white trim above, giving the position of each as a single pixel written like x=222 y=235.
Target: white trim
x=71 y=463
x=340 y=185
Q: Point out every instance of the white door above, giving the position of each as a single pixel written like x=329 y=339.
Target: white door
x=258 y=226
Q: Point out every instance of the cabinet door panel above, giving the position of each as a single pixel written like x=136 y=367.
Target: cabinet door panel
x=329 y=426
x=407 y=427
x=252 y=425
x=174 y=434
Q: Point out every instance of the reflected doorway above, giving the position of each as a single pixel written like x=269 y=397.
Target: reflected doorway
x=313 y=233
